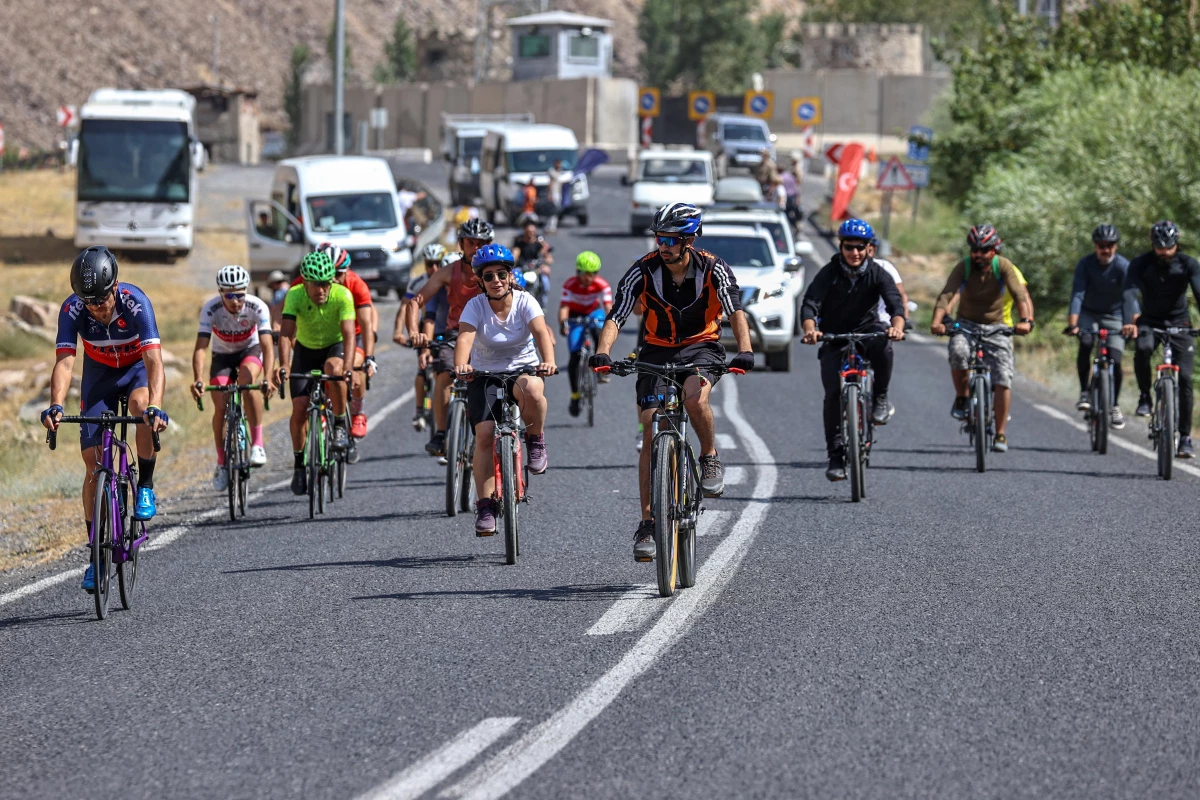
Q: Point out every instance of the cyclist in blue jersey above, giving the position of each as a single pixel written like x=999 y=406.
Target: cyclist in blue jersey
x=121 y=356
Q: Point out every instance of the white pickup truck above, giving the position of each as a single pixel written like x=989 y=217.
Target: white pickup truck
x=669 y=176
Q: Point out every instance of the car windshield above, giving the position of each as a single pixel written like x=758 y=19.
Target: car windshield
x=338 y=213
x=539 y=160
x=745 y=133
x=470 y=147
x=674 y=170
x=124 y=160
x=775 y=229
x=739 y=251
x=738 y=190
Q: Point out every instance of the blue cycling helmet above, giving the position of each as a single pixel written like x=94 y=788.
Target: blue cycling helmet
x=856 y=229
x=677 y=218
x=492 y=254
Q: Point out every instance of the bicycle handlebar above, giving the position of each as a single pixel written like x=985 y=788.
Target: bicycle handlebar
x=506 y=374
x=953 y=327
x=261 y=386
x=52 y=436
x=626 y=367
x=1193 y=332
x=851 y=338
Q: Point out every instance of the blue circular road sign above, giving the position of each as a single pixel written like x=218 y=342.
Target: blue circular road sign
x=758 y=104
x=647 y=101
x=700 y=105
x=806 y=112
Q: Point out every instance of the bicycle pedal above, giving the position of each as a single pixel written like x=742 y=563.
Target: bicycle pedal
x=643 y=560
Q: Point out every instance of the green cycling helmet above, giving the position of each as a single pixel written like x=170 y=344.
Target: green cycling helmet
x=587 y=261
x=317 y=266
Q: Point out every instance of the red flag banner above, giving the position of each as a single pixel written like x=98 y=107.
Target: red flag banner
x=847 y=180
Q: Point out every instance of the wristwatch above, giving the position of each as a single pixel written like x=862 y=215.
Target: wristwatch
x=1031 y=326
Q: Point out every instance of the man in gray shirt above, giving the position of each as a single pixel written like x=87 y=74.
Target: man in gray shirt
x=1096 y=297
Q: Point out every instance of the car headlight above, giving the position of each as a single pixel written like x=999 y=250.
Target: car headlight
x=174 y=225
x=768 y=293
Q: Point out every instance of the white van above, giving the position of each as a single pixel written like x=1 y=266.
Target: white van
x=514 y=155
x=350 y=201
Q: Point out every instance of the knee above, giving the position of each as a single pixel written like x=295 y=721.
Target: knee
x=334 y=366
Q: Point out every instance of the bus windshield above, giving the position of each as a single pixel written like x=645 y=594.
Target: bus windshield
x=131 y=161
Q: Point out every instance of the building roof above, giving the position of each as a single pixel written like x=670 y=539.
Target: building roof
x=563 y=18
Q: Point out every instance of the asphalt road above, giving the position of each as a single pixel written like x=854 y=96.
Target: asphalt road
x=1030 y=632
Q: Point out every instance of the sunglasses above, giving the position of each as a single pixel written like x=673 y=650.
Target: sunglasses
x=234 y=295
x=983 y=249
x=498 y=275
x=321 y=284
x=1106 y=245
x=858 y=248
x=96 y=301
x=669 y=241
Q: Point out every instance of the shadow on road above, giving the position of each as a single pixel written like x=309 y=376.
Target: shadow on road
x=55 y=620
x=400 y=562
x=553 y=594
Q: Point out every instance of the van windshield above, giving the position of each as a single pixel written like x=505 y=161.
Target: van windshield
x=470 y=147
x=338 y=213
x=539 y=160
x=675 y=170
x=745 y=133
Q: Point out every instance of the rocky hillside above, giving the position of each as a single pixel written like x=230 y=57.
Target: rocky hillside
x=57 y=51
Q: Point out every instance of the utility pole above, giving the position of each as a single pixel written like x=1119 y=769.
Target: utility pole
x=339 y=78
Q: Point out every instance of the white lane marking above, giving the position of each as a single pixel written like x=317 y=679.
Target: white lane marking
x=1050 y=411
x=507 y=769
x=443 y=762
x=726 y=442
x=175 y=532
x=711 y=522
x=630 y=611
x=735 y=475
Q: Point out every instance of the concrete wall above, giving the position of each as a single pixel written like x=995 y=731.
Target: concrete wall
x=896 y=49
x=863 y=102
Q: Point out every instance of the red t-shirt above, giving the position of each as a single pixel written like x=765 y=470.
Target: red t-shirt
x=358 y=288
x=581 y=300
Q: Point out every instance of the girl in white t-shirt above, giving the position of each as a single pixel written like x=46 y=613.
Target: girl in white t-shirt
x=502 y=330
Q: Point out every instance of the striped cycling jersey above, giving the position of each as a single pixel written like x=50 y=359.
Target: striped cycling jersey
x=131 y=331
x=581 y=300
x=233 y=333
x=716 y=293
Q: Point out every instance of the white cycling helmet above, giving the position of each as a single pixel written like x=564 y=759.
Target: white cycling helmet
x=434 y=252
x=233 y=276
x=450 y=258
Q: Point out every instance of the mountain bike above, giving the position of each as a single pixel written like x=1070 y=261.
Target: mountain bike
x=114 y=537
x=508 y=457
x=237 y=442
x=979 y=424
x=1164 y=418
x=1100 y=390
x=320 y=460
x=585 y=376
x=460 y=450
x=675 y=495
x=858 y=432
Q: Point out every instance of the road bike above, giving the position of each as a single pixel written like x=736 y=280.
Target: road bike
x=114 y=538
x=675 y=496
x=424 y=420
x=508 y=457
x=460 y=449
x=979 y=424
x=324 y=465
x=585 y=376
x=1098 y=415
x=858 y=432
x=1164 y=418
x=237 y=442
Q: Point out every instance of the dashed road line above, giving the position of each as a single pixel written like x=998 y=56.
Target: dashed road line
x=1050 y=411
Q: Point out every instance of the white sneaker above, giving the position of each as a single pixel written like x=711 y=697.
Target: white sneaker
x=258 y=456
x=443 y=461
x=419 y=422
x=220 y=480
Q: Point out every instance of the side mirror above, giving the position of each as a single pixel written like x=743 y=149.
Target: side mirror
x=774 y=138
x=293 y=234
x=792 y=264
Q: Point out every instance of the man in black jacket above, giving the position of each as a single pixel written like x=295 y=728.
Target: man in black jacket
x=1162 y=276
x=844 y=297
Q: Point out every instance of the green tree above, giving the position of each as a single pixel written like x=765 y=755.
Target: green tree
x=293 y=90
x=778 y=50
x=401 y=52
x=939 y=16
x=659 y=28
x=683 y=48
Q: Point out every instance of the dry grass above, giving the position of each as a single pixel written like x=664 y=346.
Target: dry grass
x=40 y=514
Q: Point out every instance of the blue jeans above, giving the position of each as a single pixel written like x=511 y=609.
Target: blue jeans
x=577 y=327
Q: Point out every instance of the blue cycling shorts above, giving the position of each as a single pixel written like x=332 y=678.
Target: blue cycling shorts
x=576 y=326
x=101 y=388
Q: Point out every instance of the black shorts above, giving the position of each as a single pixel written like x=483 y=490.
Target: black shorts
x=651 y=388
x=443 y=352
x=482 y=400
x=225 y=366
x=304 y=361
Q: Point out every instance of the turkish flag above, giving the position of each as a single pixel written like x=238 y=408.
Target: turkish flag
x=847 y=180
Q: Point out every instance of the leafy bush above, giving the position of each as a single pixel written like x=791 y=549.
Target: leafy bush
x=1105 y=144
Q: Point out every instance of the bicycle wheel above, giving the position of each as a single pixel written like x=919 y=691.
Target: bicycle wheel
x=664 y=485
x=864 y=440
x=466 y=494
x=102 y=534
x=127 y=570
x=342 y=466
x=853 y=443
x=589 y=391
x=313 y=459
x=456 y=442
x=687 y=530
x=232 y=456
x=979 y=422
x=1166 y=428
x=1102 y=411
x=507 y=453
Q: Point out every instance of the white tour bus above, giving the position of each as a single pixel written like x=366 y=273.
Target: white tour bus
x=137 y=157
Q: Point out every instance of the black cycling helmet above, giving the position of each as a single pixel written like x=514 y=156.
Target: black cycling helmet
x=94 y=273
x=983 y=237
x=1106 y=233
x=476 y=228
x=1164 y=234
x=678 y=218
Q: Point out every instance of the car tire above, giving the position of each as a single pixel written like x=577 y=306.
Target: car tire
x=780 y=360
x=582 y=218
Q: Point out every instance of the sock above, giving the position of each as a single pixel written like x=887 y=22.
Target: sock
x=356 y=405
x=299 y=456
x=576 y=395
x=342 y=421
x=256 y=436
x=146 y=472
x=220 y=456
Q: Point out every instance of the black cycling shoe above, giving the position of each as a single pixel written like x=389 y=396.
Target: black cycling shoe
x=881 y=411
x=962 y=406
x=1185 y=448
x=341 y=439
x=573 y=409
x=437 y=445
x=837 y=467
x=643 y=541
x=299 y=481
x=1143 y=407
